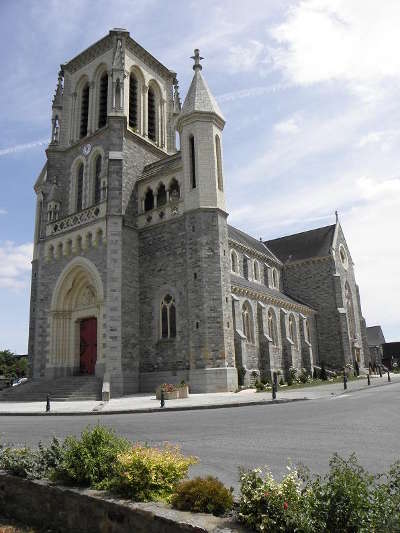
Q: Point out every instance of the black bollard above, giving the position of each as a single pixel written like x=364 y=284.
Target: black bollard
x=273 y=391
x=344 y=381
x=48 y=403
x=380 y=371
x=162 y=399
x=389 y=376
x=369 y=379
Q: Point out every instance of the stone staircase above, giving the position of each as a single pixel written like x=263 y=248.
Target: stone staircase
x=61 y=389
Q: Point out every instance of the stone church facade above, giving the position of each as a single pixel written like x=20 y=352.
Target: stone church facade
x=137 y=277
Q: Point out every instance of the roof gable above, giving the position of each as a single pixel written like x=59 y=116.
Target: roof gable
x=375 y=336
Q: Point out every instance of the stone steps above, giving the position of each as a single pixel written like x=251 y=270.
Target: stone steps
x=62 y=389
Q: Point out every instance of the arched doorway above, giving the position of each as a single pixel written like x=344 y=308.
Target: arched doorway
x=76 y=319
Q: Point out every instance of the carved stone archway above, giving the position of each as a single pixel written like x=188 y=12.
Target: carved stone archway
x=78 y=295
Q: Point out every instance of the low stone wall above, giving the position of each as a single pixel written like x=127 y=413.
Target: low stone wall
x=70 y=510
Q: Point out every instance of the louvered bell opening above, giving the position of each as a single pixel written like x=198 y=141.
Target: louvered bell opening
x=151 y=115
x=133 y=107
x=103 y=101
x=84 y=111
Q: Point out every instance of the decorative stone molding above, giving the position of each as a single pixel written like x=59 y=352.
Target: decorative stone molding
x=262 y=297
x=255 y=253
x=77 y=219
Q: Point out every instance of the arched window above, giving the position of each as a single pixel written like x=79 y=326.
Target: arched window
x=247 y=322
x=351 y=321
x=133 y=101
x=234 y=262
x=168 y=318
x=103 y=97
x=192 y=157
x=79 y=188
x=272 y=330
x=307 y=336
x=151 y=114
x=149 y=200
x=174 y=190
x=219 y=163
x=97 y=180
x=161 y=195
x=292 y=329
x=84 y=111
x=275 y=279
x=245 y=267
x=256 y=269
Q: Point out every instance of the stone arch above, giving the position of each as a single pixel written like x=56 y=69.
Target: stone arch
x=136 y=87
x=73 y=183
x=97 y=153
x=154 y=97
x=101 y=71
x=77 y=296
x=81 y=86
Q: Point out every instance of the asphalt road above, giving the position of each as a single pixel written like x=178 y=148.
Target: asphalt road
x=367 y=422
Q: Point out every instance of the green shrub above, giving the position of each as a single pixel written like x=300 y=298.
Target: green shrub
x=89 y=461
x=260 y=387
x=203 y=495
x=31 y=464
x=304 y=376
x=149 y=474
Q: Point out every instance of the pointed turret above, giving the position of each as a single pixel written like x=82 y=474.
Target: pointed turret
x=199 y=98
x=200 y=125
x=57 y=107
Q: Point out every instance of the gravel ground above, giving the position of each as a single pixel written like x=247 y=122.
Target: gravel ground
x=8 y=525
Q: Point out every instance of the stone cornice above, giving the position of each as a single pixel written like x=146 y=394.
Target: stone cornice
x=259 y=255
x=149 y=60
x=271 y=300
x=88 y=55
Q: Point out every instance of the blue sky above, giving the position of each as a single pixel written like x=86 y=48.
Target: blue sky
x=310 y=91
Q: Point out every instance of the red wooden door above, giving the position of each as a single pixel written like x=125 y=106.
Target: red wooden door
x=88 y=332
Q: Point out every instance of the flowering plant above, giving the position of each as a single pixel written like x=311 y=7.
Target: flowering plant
x=268 y=505
x=168 y=387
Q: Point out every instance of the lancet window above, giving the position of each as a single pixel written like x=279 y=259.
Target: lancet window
x=84 y=111
x=168 y=317
x=103 y=97
x=161 y=195
x=133 y=101
x=192 y=156
x=79 y=188
x=272 y=329
x=97 y=180
x=149 y=200
x=219 y=163
x=151 y=114
x=247 y=317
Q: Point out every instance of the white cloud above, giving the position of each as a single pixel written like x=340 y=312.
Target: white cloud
x=23 y=147
x=15 y=265
x=289 y=126
x=385 y=140
x=323 y=40
x=3 y=212
x=244 y=58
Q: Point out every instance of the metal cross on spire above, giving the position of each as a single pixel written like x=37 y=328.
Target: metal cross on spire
x=197 y=58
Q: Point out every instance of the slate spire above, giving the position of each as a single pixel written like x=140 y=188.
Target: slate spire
x=199 y=97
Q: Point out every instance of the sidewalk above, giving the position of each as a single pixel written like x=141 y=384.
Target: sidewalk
x=146 y=403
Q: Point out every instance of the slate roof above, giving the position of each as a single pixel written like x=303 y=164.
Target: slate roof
x=239 y=236
x=168 y=163
x=305 y=245
x=200 y=98
x=375 y=336
x=273 y=293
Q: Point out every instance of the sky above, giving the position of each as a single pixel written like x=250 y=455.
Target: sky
x=310 y=90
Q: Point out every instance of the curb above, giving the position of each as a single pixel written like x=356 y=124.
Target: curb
x=367 y=387
x=157 y=409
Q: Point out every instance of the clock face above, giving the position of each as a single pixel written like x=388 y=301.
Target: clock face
x=86 y=149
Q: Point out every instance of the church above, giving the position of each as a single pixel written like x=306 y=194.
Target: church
x=137 y=277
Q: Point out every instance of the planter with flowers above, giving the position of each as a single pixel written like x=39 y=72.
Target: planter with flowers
x=173 y=392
